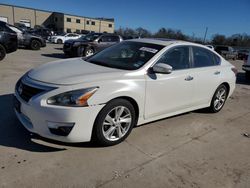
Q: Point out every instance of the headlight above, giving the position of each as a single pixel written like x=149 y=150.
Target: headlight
x=76 y=44
x=77 y=98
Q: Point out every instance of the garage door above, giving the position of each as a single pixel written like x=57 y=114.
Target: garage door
x=4 y=19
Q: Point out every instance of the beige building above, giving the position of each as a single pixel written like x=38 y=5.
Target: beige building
x=57 y=21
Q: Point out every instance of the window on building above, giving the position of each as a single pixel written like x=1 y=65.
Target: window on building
x=68 y=19
x=110 y=25
x=68 y=30
x=78 y=21
x=78 y=31
x=92 y=23
x=56 y=19
x=87 y=22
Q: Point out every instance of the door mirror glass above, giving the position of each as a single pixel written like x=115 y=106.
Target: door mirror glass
x=162 y=68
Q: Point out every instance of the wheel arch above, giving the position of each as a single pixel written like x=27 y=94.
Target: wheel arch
x=227 y=86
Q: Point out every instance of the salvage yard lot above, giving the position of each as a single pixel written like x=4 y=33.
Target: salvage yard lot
x=196 y=149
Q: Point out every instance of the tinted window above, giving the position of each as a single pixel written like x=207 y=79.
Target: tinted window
x=126 y=55
x=177 y=57
x=115 y=39
x=78 y=21
x=110 y=39
x=92 y=23
x=203 y=57
x=110 y=25
x=68 y=19
x=106 y=39
x=216 y=59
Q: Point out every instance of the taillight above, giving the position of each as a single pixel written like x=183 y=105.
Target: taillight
x=234 y=70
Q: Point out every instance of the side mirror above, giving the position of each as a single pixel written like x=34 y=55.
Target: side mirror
x=162 y=68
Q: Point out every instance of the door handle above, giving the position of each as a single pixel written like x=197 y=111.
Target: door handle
x=189 y=78
x=217 y=72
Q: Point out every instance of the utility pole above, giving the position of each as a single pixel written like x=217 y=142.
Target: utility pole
x=204 y=40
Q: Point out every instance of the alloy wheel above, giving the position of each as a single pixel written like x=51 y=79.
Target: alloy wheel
x=89 y=52
x=117 y=123
x=220 y=98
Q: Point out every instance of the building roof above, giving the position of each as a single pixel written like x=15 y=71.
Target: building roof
x=104 y=19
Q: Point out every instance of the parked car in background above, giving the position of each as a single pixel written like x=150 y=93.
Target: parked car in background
x=132 y=83
x=8 y=40
x=90 y=44
x=246 y=66
x=43 y=32
x=60 y=39
x=243 y=54
x=227 y=52
x=28 y=40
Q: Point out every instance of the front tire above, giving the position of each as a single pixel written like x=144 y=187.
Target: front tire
x=59 y=41
x=89 y=52
x=114 y=123
x=35 y=45
x=219 y=99
x=2 y=52
x=80 y=51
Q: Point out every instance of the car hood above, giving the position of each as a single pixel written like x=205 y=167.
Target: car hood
x=73 y=71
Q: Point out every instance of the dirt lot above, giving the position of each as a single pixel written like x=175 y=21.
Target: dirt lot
x=195 y=149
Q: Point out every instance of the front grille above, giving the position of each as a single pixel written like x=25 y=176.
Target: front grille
x=26 y=92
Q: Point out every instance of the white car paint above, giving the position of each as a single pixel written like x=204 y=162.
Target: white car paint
x=68 y=36
x=168 y=95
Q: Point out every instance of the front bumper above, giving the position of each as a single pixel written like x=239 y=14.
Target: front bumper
x=246 y=68
x=36 y=116
x=68 y=49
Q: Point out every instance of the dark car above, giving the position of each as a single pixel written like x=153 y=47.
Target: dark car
x=243 y=54
x=8 y=40
x=227 y=52
x=43 y=32
x=90 y=44
x=28 y=40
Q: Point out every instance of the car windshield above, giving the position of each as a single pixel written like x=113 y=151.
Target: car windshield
x=126 y=55
x=90 y=37
x=14 y=29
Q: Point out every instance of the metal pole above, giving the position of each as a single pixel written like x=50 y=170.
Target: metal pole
x=205 y=35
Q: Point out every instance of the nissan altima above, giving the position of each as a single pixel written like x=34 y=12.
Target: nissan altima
x=104 y=96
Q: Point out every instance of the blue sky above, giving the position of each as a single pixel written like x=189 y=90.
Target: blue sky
x=191 y=16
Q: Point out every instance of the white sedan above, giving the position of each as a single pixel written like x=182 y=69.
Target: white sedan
x=60 y=39
x=134 y=82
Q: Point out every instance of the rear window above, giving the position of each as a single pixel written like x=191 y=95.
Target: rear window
x=204 y=58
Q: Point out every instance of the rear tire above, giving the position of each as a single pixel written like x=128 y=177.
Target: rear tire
x=219 y=99
x=2 y=52
x=35 y=45
x=114 y=123
x=59 y=41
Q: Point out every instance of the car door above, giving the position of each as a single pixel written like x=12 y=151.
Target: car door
x=169 y=93
x=207 y=72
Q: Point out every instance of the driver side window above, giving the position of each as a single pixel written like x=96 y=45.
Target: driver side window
x=177 y=57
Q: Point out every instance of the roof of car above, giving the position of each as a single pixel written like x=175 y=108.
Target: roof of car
x=162 y=41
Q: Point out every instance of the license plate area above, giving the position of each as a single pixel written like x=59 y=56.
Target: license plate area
x=17 y=104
